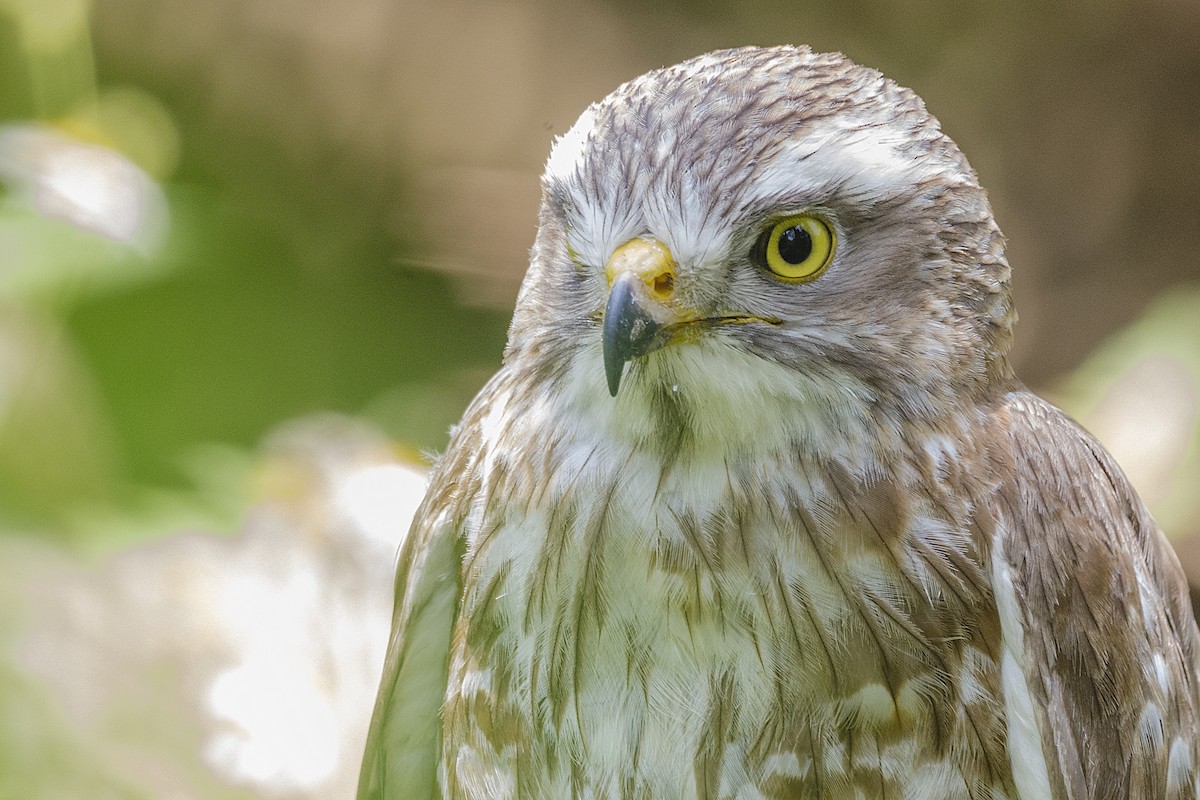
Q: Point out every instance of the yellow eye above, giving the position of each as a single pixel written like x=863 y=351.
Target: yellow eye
x=796 y=249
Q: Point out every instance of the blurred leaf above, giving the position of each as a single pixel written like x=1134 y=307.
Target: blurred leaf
x=54 y=446
x=49 y=262
x=132 y=122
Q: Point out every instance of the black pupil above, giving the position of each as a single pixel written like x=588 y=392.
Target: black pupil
x=795 y=245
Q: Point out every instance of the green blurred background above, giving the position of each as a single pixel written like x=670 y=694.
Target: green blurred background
x=257 y=254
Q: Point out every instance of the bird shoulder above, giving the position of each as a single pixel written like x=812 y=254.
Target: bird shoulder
x=1107 y=642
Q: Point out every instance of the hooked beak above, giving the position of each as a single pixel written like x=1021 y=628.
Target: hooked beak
x=641 y=280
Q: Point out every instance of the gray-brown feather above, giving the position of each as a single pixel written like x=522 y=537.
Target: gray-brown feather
x=1111 y=637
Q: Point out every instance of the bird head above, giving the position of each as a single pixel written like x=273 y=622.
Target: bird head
x=761 y=230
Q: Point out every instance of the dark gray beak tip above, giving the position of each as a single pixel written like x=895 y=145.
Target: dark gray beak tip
x=612 y=370
x=618 y=323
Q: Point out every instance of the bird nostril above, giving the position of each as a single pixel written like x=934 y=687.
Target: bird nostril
x=663 y=285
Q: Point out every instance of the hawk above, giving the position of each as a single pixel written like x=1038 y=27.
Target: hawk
x=755 y=506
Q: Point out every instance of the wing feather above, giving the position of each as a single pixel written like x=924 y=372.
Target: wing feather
x=402 y=751
x=1110 y=640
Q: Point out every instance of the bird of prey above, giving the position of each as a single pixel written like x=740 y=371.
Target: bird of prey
x=755 y=506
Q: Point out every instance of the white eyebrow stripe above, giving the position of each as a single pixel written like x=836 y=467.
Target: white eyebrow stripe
x=860 y=162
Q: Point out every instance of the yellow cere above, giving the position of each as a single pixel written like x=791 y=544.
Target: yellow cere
x=799 y=248
x=648 y=259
